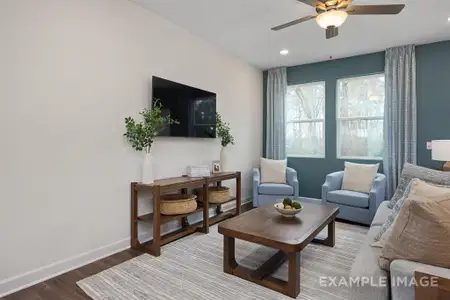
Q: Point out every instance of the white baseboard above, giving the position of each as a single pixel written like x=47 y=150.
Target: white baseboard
x=22 y=281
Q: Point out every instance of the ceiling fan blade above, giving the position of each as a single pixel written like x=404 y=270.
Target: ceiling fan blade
x=292 y=23
x=314 y=3
x=375 y=9
x=344 y=4
x=331 y=2
x=332 y=32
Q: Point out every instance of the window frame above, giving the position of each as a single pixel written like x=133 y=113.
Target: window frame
x=323 y=121
x=338 y=119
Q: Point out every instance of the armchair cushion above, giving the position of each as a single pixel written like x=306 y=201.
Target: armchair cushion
x=349 y=198
x=359 y=177
x=275 y=189
x=273 y=171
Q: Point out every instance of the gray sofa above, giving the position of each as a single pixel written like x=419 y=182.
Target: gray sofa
x=365 y=267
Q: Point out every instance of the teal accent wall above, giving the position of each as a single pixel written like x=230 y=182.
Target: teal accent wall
x=433 y=96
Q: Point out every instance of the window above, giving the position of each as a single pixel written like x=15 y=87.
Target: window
x=360 y=112
x=305 y=120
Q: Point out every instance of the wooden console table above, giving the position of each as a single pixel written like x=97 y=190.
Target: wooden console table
x=179 y=184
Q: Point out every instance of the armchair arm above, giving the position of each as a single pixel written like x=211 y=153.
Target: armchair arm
x=333 y=182
x=292 y=180
x=377 y=193
x=256 y=183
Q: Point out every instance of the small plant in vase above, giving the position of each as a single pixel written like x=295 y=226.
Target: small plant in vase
x=141 y=135
x=224 y=134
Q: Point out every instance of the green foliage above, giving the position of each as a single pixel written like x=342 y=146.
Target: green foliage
x=287 y=201
x=223 y=131
x=142 y=135
x=296 y=205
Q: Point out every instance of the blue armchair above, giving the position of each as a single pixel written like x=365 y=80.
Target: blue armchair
x=354 y=206
x=265 y=193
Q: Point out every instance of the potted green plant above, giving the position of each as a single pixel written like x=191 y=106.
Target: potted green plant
x=226 y=138
x=142 y=134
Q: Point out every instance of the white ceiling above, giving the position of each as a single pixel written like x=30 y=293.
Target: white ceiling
x=242 y=27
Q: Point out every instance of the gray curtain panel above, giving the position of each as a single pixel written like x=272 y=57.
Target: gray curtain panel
x=400 y=118
x=275 y=129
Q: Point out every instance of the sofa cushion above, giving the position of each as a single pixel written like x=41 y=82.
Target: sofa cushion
x=359 y=177
x=275 y=189
x=273 y=171
x=411 y=171
x=416 y=187
x=349 y=198
x=365 y=266
x=420 y=233
x=382 y=214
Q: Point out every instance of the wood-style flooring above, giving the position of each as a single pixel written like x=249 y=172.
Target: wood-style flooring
x=64 y=287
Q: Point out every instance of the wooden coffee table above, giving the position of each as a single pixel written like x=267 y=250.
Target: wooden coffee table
x=265 y=226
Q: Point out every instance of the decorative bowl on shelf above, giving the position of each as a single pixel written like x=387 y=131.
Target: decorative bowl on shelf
x=289 y=212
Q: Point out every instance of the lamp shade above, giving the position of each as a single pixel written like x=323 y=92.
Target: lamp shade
x=440 y=150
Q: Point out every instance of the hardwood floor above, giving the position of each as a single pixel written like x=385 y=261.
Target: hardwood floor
x=64 y=287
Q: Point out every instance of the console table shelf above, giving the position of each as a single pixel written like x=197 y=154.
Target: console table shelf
x=165 y=219
x=179 y=184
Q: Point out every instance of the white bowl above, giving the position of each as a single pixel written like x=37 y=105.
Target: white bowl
x=288 y=213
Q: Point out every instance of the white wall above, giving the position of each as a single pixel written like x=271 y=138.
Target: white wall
x=70 y=72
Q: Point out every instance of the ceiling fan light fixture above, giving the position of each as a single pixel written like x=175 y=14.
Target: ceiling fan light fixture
x=331 y=18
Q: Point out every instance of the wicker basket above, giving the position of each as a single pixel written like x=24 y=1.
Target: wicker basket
x=178 y=204
x=217 y=194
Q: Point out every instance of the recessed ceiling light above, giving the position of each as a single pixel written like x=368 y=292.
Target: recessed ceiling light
x=284 y=52
x=448 y=19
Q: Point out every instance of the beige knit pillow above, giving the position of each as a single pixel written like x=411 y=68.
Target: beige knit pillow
x=273 y=171
x=359 y=177
x=421 y=233
x=417 y=188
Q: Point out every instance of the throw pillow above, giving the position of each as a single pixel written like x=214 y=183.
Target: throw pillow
x=273 y=171
x=417 y=188
x=359 y=177
x=411 y=171
x=421 y=233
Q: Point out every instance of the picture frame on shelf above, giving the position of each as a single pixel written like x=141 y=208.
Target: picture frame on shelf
x=216 y=167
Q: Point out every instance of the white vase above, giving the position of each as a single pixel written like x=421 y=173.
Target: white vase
x=224 y=159
x=147 y=168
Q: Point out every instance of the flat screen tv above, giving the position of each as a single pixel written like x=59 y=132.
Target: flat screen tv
x=193 y=108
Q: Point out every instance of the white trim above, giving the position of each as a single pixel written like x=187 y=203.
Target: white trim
x=359 y=118
x=362 y=76
x=30 y=278
x=27 y=279
x=305 y=156
x=323 y=83
x=360 y=158
x=305 y=121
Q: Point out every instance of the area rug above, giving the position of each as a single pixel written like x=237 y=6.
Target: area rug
x=191 y=268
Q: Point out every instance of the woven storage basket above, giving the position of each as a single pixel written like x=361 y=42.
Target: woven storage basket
x=217 y=194
x=177 y=204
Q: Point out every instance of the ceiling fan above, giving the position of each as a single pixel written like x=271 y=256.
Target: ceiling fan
x=333 y=13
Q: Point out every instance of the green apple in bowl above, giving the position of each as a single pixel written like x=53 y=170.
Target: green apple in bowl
x=288 y=208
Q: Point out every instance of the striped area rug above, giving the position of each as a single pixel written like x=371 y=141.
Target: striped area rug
x=191 y=268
